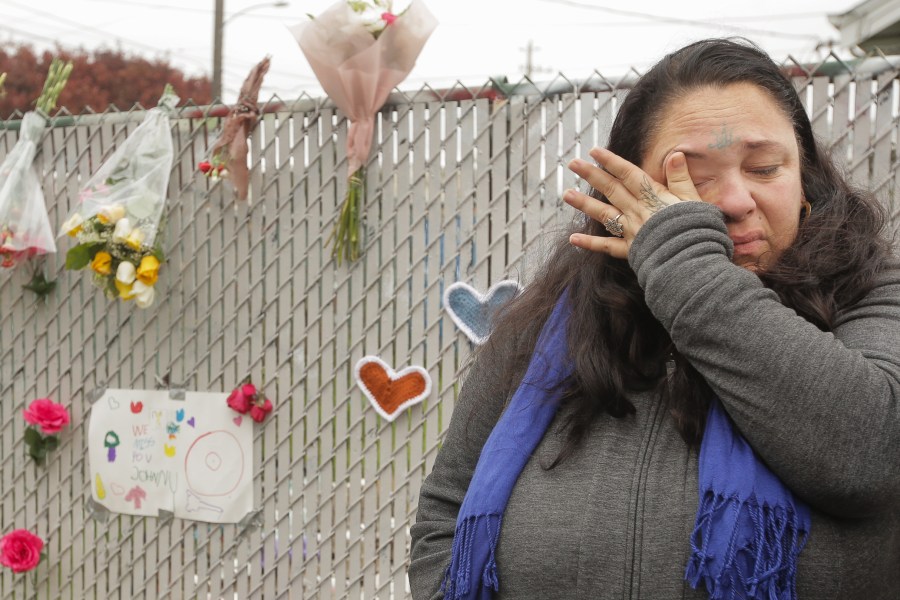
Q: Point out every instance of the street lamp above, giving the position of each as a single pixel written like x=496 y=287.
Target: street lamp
x=219 y=23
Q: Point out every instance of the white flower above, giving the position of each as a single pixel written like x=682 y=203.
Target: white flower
x=126 y=272
x=111 y=213
x=122 y=231
x=143 y=294
x=73 y=224
x=135 y=239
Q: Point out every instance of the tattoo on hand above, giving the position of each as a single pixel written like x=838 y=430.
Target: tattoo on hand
x=650 y=198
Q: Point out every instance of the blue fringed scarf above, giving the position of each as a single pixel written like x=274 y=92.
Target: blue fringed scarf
x=749 y=528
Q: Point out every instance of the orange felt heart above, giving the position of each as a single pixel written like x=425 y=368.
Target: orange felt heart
x=389 y=391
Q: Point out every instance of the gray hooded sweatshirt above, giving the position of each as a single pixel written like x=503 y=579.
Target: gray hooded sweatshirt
x=821 y=409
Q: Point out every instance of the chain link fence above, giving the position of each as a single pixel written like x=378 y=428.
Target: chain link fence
x=463 y=185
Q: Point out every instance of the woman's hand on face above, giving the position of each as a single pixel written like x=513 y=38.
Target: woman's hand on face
x=632 y=193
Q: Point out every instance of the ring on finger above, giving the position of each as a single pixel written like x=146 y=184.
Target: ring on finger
x=613 y=226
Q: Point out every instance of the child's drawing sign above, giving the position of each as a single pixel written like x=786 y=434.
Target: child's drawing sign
x=144 y=459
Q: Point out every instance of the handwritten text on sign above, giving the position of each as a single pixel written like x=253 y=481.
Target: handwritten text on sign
x=150 y=453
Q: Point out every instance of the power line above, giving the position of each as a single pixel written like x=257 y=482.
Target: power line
x=680 y=21
x=27 y=34
x=155 y=6
x=181 y=9
x=234 y=64
x=81 y=26
x=776 y=17
x=106 y=34
x=55 y=41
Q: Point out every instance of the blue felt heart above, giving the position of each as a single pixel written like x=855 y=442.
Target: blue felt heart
x=474 y=312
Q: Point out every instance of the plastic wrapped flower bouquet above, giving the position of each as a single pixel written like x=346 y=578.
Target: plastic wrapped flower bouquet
x=117 y=221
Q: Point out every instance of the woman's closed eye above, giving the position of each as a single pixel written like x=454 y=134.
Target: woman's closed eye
x=768 y=171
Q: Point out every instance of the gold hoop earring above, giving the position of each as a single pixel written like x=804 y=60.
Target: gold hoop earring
x=806 y=210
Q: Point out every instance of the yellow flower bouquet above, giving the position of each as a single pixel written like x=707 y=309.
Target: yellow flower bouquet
x=117 y=220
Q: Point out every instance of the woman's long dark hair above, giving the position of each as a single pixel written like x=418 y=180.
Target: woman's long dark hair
x=616 y=343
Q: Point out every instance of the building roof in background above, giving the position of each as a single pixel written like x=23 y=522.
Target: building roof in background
x=871 y=25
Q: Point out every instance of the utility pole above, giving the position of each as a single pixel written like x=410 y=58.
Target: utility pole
x=219 y=23
x=529 y=58
x=218 y=31
x=529 y=67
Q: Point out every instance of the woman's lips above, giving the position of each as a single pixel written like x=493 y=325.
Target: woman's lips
x=748 y=243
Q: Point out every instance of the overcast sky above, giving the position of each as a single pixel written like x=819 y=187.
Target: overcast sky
x=474 y=39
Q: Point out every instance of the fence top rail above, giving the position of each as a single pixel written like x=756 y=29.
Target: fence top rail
x=496 y=88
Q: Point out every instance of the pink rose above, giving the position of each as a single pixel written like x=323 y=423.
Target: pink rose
x=388 y=18
x=259 y=410
x=20 y=550
x=241 y=398
x=47 y=414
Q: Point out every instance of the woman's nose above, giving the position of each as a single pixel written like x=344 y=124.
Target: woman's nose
x=733 y=197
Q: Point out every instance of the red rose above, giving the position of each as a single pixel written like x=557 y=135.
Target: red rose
x=20 y=550
x=259 y=410
x=204 y=166
x=47 y=414
x=241 y=398
x=388 y=18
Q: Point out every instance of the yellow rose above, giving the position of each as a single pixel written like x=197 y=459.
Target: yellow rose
x=125 y=291
x=102 y=263
x=148 y=271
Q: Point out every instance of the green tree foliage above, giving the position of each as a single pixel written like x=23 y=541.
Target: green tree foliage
x=100 y=79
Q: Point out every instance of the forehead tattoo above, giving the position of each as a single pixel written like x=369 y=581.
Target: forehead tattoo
x=724 y=138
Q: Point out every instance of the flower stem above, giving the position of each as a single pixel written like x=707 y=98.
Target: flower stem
x=57 y=76
x=346 y=233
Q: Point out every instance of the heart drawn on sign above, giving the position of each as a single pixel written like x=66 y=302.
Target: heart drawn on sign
x=389 y=391
x=474 y=312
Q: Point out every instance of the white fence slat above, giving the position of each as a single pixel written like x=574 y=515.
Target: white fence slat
x=842 y=126
x=481 y=275
x=821 y=112
x=862 y=133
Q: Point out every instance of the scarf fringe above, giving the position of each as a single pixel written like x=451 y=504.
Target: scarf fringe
x=459 y=576
x=778 y=538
